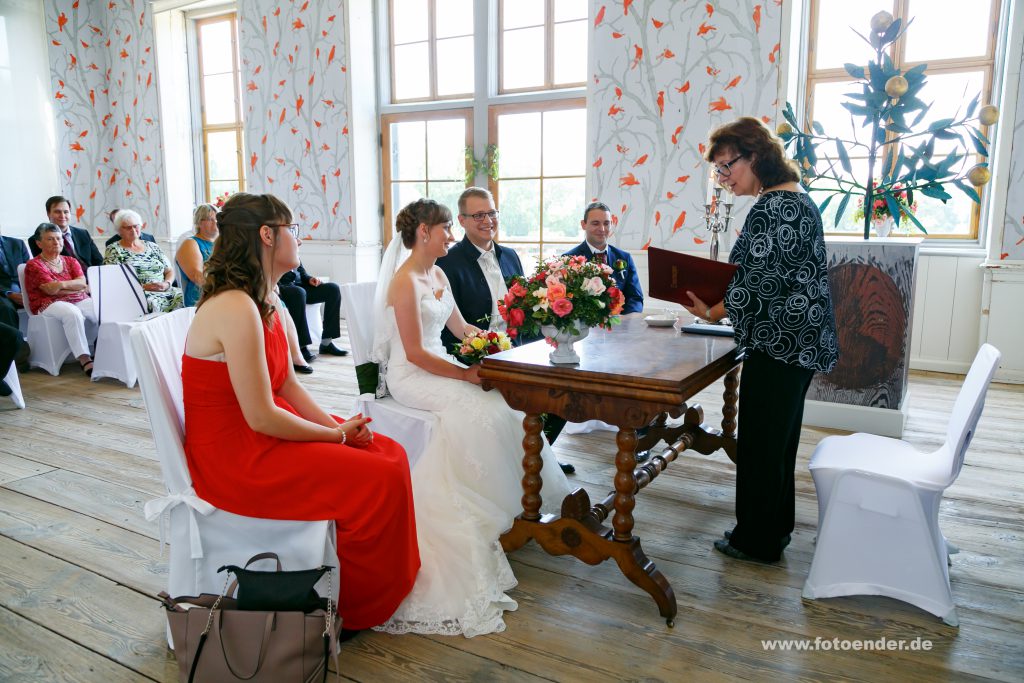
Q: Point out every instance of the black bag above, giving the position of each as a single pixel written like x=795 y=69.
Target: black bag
x=277 y=591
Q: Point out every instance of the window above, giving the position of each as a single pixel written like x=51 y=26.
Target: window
x=431 y=49
x=540 y=188
x=957 y=42
x=220 y=101
x=437 y=136
x=543 y=44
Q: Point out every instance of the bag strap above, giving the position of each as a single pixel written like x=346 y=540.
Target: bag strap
x=129 y=275
x=99 y=295
x=206 y=631
x=264 y=556
x=268 y=626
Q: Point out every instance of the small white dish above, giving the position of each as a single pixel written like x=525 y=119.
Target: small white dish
x=660 y=320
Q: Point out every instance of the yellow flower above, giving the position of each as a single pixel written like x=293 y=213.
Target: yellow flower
x=477 y=343
x=505 y=344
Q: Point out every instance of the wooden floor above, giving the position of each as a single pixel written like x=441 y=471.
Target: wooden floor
x=79 y=566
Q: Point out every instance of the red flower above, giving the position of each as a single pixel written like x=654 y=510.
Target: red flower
x=493 y=348
x=516 y=317
x=561 y=307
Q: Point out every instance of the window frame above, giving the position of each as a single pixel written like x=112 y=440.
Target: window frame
x=549 y=52
x=201 y=128
x=387 y=208
x=432 y=96
x=987 y=64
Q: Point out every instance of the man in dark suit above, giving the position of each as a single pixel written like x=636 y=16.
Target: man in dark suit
x=478 y=271
x=77 y=241
x=297 y=288
x=13 y=253
x=144 y=236
x=597 y=224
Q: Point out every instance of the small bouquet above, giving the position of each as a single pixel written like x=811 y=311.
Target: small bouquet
x=567 y=292
x=221 y=199
x=880 y=207
x=476 y=347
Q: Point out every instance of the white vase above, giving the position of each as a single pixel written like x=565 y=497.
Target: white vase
x=564 y=353
x=883 y=226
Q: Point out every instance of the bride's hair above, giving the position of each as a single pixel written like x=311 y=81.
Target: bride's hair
x=425 y=211
x=235 y=262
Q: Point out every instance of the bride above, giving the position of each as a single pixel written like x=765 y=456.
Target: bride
x=466 y=485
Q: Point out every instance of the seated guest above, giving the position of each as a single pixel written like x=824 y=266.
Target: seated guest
x=13 y=253
x=257 y=443
x=597 y=224
x=297 y=289
x=148 y=262
x=78 y=242
x=55 y=287
x=195 y=251
x=11 y=345
x=144 y=236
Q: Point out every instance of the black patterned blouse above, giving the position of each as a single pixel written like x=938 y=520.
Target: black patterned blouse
x=779 y=299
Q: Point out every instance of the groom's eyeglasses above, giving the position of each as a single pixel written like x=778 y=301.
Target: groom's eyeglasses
x=480 y=215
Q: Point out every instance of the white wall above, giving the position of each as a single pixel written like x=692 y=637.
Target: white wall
x=28 y=174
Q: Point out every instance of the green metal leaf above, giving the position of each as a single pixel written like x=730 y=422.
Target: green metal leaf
x=979 y=146
x=915 y=74
x=817 y=128
x=841 y=209
x=940 y=124
x=856 y=109
x=967 y=190
x=973 y=105
x=911 y=216
x=892 y=31
x=894 y=206
x=854 y=70
x=844 y=158
x=935 y=191
x=824 y=204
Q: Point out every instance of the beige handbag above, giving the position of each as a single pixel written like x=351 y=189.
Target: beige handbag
x=216 y=641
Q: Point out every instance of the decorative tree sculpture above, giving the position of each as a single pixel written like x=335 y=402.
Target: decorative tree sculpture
x=900 y=151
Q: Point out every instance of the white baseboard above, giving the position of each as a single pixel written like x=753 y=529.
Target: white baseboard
x=955 y=367
x=881 y=421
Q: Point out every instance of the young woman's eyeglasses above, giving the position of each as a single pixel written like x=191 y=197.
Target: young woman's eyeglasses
x=293 y=228
x=725 y=170
x=480 y=215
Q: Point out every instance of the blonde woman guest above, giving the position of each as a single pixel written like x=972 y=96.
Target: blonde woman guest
x=148 y=261
x=195 y=251
x=55 y=287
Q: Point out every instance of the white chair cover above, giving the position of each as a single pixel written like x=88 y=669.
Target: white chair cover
x=46 y=337
x=315 y=323
x=588 y=426
x=203 y=538
x=15 y=384
x=120 y=302
x=878 y=508
x=408 y=426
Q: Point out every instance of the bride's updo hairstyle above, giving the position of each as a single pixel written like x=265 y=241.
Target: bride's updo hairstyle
x=425 y=211
x=235 y=262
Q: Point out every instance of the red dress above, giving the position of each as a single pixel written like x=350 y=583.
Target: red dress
x=366 y=491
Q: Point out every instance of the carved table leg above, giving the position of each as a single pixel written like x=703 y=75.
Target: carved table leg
x=625 y=484
x=730 y=398
x=532 y=463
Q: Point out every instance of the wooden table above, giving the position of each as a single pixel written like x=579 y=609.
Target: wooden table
x=626 y=377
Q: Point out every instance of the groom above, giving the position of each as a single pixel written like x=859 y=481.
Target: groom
x=478 y=269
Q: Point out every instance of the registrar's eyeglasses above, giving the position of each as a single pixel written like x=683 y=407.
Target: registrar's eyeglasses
x=725 y=170
x=293 y=228
x=480 y=215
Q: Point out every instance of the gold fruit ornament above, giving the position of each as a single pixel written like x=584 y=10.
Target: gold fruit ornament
x=784 y=129
x=896 y=86
x=979 y=175
x=881 y=22
x=988 y=115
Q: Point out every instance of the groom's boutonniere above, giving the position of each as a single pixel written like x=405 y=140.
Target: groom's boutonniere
x=620 y=264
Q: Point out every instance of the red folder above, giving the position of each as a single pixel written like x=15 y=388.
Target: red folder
x=672 y=275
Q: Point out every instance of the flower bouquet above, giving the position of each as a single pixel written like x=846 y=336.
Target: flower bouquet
x=221 y=199
x=475 y=347
x=563 y=299
x=881 y=217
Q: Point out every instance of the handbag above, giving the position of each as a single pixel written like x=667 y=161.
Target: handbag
x=224 y=638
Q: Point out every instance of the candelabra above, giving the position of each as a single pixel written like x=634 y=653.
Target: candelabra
x=717 y=215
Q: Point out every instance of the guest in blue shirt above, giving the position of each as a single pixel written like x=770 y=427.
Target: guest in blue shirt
x=780 y=305
x=195 y=252
x=13 y=252
x=597 y=224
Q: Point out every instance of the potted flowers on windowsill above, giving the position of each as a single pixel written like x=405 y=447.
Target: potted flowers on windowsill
x=881 y=217
x=562 y=300
x=220 y=200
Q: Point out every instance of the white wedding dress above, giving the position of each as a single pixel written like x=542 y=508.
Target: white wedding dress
x=466 y=488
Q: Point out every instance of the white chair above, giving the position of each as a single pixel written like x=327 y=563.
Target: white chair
x=15 y=384
x=120 y=302
x=46 y=336
x=203 y=538
x=878 y=508
x=315 y=323
x=408 y=426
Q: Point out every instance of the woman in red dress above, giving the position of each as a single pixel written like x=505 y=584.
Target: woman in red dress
x=258 y=444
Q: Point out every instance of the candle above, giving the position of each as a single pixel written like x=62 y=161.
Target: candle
x=711 y=188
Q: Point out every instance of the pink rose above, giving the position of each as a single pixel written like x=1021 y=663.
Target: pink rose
x=516 y=317
x=553 y=279
x=556 y=290
x=593 y=286
x=561 y=307
x=517 y=289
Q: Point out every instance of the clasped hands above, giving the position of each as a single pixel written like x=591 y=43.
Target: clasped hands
x=356 y=431
x=161 y=286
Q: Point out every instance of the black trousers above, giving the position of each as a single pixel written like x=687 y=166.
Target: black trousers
x=771 y=410
x=10 y=342
x=8 y=311
x=295 y=297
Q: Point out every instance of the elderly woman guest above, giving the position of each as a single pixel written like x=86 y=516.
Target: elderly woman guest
x=150 y=264
x=257 y=443
x=195 y=251
x=55 y=286
x=781 y=308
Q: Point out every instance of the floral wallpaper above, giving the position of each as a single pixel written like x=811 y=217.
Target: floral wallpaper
x=663 y=75
x=1013 y=225
x=105 y=104
x=295 y=101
